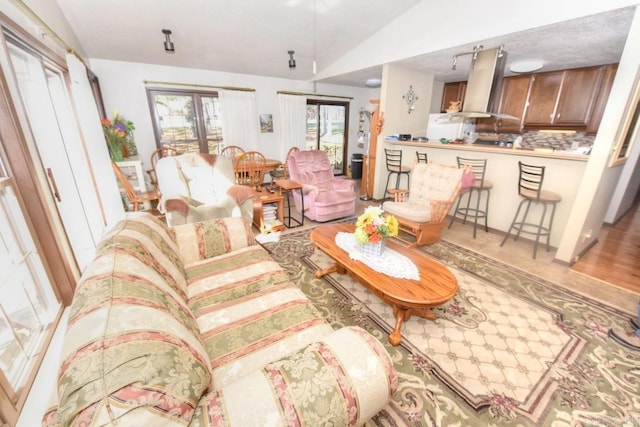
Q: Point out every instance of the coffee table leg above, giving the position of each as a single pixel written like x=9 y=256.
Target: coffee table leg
x=401 y=314
x=333 y=268
x=426 y=313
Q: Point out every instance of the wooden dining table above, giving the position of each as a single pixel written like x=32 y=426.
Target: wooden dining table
x=269 y=164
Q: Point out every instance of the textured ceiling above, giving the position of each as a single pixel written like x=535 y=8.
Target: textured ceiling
x=253 y=36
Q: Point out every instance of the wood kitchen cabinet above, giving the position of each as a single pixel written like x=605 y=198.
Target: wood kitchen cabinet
x=563 y=98
x=452 y=92
x=513 y=99
x=543 y=97
x=577 y=96
x=608 y=74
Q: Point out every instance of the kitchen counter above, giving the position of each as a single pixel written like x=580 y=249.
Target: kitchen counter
x=563 y=175
x=565 y=155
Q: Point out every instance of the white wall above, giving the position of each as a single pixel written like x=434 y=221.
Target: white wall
x=123 y=87
x=396 y=80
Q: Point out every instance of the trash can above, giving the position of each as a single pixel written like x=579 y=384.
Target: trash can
x=356 y=166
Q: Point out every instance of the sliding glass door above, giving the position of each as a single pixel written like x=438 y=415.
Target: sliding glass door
x=327 y=130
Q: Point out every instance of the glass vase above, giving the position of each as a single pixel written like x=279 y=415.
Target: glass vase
x=116 y=152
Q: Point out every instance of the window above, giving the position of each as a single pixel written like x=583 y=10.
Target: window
x=28 y=306
x=327 y=130
x=186 y=121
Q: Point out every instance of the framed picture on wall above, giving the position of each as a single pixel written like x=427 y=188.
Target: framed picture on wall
x=628 y=131
x=266 y=123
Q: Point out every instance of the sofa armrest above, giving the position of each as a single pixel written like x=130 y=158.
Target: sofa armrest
x=342 y=380
x=240 y=193
x=202 y=240
x=343 y=184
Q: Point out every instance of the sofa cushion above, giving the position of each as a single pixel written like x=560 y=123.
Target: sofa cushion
x=203 y=240
x=249 y=313
x=142 y=361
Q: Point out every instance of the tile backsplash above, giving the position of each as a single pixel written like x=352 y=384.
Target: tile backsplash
x=559 y=141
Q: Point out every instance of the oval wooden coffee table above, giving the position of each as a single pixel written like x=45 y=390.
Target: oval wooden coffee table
x=436 y=286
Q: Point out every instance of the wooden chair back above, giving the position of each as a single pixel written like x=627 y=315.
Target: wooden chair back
x=155 y=156
x=232 y=151
x=136 y=198
x=250 y=169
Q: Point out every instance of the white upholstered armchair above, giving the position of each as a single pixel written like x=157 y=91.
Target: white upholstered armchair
x=196 y=187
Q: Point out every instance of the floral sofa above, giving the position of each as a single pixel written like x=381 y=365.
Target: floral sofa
x=197 y=325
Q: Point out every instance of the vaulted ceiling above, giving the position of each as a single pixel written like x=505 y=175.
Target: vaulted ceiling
x=253 y=36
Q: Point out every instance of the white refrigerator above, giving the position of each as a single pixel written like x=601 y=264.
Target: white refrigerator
x=444 y=126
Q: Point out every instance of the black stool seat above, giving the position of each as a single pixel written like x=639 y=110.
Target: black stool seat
x=480 y=186
x=530 y=189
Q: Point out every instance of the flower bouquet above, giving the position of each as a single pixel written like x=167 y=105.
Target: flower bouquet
x=372 y=227
x=119 y=135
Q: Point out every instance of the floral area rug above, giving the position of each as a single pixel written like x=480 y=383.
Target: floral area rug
x=510 y=349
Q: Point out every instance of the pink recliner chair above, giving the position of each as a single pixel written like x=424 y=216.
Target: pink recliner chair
x=326 y=197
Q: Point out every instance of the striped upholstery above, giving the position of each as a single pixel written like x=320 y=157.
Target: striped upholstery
x=197 y=325
x=132 y=352
x=249 y=314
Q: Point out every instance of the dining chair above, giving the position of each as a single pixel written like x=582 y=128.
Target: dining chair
x=232 y=151
x=137 y=197
x=250 y=169
x=155 y=156
x=282 y=171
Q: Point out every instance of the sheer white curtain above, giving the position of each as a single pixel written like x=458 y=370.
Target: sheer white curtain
x=293 y=122
x=239 y=118
x=96 y=148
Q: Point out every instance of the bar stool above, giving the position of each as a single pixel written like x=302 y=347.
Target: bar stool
x=480 y=185
x=394 y=166
x=530 y=189
x=422 y=157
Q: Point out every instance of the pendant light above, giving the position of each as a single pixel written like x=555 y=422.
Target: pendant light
x=315 y=35
x=168 y=44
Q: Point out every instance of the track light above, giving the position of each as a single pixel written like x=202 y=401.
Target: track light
x=292 y=62
x=168 y=44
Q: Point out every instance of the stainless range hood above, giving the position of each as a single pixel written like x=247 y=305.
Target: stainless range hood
x=484 y=84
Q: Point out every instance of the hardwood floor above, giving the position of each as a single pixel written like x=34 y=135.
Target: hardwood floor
x=615 y=258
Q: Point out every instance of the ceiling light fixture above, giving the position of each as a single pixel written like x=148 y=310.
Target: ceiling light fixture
x=292 y=62
x=373 y=83
x=527 y=66
x=168 y=44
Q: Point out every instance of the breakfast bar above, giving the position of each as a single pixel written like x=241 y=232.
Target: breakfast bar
x=563 y=175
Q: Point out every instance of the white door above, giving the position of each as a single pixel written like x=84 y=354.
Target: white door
x=53 y=128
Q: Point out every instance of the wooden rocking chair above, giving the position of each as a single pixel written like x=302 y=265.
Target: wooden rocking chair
x=138 y=198
x=423 y=211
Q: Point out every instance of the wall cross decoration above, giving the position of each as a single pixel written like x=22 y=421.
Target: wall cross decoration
x=410 y=98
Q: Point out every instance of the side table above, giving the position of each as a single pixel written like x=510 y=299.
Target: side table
x=263 y=198
x=287 y=186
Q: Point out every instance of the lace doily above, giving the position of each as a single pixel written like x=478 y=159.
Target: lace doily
x=390 y=262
